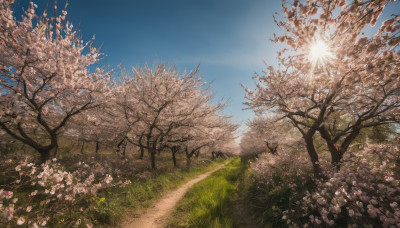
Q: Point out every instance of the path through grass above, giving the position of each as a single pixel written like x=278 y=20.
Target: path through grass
x=210 y=203
x=112 y=207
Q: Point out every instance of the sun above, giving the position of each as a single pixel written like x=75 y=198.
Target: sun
x=320 y=53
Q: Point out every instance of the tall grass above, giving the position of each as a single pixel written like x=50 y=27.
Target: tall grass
x=209 y=203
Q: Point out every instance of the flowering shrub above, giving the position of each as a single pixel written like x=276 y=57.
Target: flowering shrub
x=278 y=182
x=105 y=164
x=364 y=192
x=49 y=194
x=278 y=170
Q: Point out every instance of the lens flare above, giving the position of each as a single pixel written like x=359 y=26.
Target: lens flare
x=320 y=52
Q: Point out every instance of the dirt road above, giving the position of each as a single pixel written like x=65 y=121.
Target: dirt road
x=157 y=215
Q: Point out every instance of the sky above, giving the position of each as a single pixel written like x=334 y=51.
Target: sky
x=228 y=38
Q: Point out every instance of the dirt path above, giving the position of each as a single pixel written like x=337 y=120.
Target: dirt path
x=157 y=215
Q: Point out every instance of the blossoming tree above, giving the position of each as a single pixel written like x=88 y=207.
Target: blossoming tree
x=46 y=77
x=158 y=101
x=332 y=80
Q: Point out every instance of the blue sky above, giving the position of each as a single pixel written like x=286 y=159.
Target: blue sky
x=229 y=38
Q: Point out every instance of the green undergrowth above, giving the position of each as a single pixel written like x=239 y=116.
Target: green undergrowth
x=110 y=207
x=210 y=203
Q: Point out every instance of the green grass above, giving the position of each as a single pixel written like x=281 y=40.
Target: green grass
x=110 y=207
x=210 y=203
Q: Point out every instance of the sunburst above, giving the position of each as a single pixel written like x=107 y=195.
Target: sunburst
x=320 y=52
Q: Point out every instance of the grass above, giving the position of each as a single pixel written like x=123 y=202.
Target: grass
x=210 y=203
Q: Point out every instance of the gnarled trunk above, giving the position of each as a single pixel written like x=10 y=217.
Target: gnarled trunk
x=313 y=154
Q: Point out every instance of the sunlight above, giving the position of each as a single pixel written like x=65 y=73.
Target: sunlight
x=319 y=52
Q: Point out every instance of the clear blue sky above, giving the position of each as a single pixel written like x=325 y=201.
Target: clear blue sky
x=229 y=38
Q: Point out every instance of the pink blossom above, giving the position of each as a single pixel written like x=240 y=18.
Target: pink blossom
x=20 y=221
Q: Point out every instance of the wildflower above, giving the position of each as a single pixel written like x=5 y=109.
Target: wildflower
x=20 y=221
x=33 y=193
x=28 y=209
x=7 y=194
x=8 y=213
x=108 y=179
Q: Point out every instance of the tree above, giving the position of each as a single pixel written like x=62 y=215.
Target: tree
x=252 y=143
x=212 y=132
x=267 y=133
x=335 y=81
x=46 y=77
x=161 y=101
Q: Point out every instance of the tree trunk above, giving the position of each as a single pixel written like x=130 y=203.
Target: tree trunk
x=141 y=152
x=119 y=145
x=174 y=159
x=213 y=155
x=336 y=155
x=97 y=147
x=124 y=149
x=55 y=150
x=188 y=161
x=44 y=155
x=153 y=158
x=83 y=144
x=313 y=154
x=335 y=149
x=188 y=156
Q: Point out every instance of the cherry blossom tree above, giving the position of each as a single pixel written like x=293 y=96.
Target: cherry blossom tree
x=252 y=143
x=45 y=77
x=100 y=125
x=158 y=101
x=332 y=80
x=211 y=132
